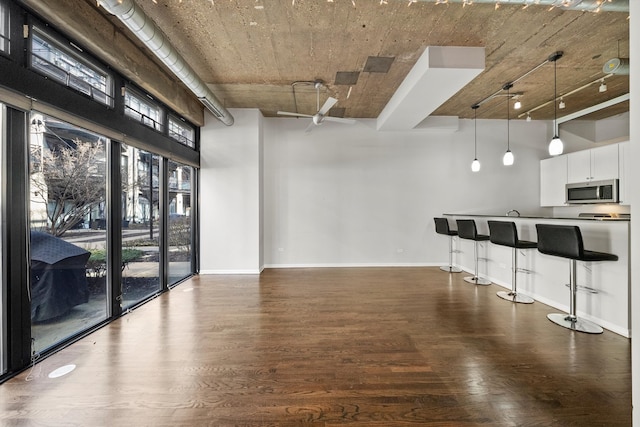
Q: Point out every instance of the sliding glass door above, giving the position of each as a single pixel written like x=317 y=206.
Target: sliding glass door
x=68 y=236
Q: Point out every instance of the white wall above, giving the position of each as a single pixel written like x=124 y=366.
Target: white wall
x=634 y=40
x=230 y=194
x=349 y=195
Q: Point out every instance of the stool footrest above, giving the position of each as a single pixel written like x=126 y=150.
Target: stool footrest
x=583 y=288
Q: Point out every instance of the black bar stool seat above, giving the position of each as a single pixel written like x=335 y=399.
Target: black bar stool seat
x=467 y=230
x=442 y=227
x=504 y=233
x=565 y=241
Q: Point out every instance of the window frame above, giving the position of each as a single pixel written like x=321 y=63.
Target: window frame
x=189 y=141
x=5 y=29
x=140 y=116
x=74 y=56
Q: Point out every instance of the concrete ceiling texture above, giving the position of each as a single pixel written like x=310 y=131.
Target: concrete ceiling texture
x=266 y=54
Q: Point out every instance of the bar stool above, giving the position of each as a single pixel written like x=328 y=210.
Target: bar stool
x=504 y=233
x=566 y=241
x=442 y=227
x=467 y=230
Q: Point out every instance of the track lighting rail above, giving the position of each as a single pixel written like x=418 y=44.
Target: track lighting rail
x=552 y=58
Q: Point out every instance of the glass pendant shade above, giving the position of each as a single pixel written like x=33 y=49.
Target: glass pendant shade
x=475 y=165
x=507 y=160
x=556 y=146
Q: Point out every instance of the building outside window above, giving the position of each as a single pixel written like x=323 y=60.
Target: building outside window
x=68 y=213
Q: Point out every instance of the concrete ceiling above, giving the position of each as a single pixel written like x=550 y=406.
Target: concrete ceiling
x=251 y=52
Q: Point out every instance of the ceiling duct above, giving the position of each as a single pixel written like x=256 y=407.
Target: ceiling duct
x=148 y=32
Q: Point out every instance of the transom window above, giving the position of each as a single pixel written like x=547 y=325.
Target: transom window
x=70 y=67
x=143 y=109
x=5 y=41
x=181 y=132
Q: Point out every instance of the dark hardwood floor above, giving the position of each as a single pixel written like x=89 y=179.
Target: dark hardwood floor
x=330 y=347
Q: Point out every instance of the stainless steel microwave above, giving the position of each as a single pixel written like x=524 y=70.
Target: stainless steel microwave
x=593 y=192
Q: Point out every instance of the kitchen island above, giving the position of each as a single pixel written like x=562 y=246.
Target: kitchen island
x=604 y=294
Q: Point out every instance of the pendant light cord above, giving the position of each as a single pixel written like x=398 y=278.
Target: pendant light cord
x=475 y=132
x=555 y=97
x=508 y=99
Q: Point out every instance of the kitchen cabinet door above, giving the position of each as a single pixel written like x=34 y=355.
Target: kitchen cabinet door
x=595 y=164
x=579 y=166
x=604 y=162
x=553 y=178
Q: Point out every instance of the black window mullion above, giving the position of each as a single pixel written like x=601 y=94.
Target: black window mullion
x=163 y=239
x=114 y=228
x=16 y=241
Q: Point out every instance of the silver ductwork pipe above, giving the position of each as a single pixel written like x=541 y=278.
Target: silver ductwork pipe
x=579 y=5
x=134 y=18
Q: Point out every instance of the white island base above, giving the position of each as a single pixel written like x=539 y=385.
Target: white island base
x=603 y=293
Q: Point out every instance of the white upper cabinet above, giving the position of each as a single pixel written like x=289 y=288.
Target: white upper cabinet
x=595 y=164
x=553 y=177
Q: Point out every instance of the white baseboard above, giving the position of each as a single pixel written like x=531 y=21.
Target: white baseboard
x=351 y=265
x=212 y=272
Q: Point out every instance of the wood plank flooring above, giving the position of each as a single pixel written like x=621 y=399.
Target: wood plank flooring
x=330 y=347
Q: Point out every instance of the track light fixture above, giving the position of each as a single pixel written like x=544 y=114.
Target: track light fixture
x=561 y=104
x=475 y=165
x=517 y=105
x=603 y=86
x=528 y=117
x=555 y=146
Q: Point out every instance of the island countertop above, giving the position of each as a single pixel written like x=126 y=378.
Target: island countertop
x=595 y=217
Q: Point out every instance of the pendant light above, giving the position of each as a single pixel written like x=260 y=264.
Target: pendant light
x=475 y=165
x=555 y=146
x=507 y=159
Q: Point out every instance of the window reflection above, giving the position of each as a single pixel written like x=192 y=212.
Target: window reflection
x=140 y=225
x=67 y=171
x=179 y=221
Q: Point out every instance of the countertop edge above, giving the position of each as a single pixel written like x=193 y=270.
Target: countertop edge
x=540 y=217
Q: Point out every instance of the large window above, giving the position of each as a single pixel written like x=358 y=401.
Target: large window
x=68 y=217
x=140 y=225
x=69 y=67
x=180 y=220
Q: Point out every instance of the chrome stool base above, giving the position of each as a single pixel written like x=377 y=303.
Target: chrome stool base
x=515 y=297
x=477 y=280
x=575 y=324
x=450 y=269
